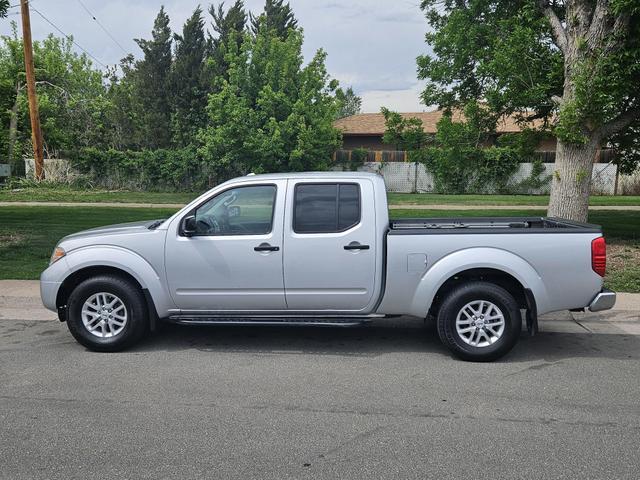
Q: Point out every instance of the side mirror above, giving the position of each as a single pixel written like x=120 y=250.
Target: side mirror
x=189 y=226
x=233 y=211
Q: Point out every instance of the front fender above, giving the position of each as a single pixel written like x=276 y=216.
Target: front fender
x=132 y=263
x=469 y=258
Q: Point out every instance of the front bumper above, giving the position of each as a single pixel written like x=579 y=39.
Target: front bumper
x=49 y=293
x=605 y=300
x=50 y=282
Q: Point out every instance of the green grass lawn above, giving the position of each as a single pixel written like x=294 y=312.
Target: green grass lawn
x=542 y=200
x=94 y=195
x=47 y=194
x=28 y=234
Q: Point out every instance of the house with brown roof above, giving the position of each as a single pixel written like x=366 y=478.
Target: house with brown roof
x=365 y=130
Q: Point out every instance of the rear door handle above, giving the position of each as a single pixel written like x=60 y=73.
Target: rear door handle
x=356 y=246
x=265 y=247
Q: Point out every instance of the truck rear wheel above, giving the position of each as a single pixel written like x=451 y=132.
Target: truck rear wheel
x=107 y=313
x=479 y=321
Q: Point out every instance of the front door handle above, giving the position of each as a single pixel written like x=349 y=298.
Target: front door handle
x=356 y=246
x=265 y=247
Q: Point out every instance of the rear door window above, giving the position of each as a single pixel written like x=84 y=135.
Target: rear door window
x=326 y=207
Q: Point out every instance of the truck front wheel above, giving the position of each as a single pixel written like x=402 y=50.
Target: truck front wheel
x=107 y=313
x=479 y=321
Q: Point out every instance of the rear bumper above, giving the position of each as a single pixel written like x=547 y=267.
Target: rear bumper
x=605 y=300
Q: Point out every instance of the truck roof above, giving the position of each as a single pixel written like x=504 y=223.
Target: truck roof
x=311 y=175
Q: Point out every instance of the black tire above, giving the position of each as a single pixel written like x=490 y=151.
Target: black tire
x=478 y=291
x=132 y=298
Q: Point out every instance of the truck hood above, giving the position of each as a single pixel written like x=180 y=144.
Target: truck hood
x=118 y=229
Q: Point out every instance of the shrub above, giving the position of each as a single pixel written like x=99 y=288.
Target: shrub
x=147 y=169
x=535 y=183
x=358 y=157
x=469 y=169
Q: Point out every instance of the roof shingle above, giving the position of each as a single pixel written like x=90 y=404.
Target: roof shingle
x=373 y=123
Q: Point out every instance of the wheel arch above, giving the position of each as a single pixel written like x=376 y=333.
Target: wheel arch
x=497 y=266
x=491 y=275
x=88 y=262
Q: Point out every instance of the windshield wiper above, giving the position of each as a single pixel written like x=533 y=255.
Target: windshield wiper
x=156 y=224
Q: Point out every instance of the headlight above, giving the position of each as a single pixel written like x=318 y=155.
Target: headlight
x=57 y=254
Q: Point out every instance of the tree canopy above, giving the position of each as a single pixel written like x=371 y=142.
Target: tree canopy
x=71 y=98
x=349 y=102
x=232 y=90
x=273 y=113
x=151 y=85
x=575 y=65
x=189 y=84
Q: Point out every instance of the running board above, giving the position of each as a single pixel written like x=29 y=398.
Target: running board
x=272 y=320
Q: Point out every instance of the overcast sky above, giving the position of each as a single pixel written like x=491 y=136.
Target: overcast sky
x=371 y=44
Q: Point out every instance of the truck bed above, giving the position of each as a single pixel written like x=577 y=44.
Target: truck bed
x=423 y=226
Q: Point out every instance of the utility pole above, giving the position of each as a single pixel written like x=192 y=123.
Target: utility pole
x=36 y=133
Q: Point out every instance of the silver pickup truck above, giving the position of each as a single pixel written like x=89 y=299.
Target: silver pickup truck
x=319 y=249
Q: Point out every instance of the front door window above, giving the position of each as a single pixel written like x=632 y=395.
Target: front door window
x=238 y=211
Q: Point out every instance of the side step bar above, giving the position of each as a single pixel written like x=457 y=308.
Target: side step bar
x=272 y=320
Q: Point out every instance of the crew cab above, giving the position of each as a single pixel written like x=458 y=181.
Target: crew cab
x=319 y=249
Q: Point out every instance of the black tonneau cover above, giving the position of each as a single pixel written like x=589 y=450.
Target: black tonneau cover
x=423 y=226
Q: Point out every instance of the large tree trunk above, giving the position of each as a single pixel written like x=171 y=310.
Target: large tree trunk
x=571 y=180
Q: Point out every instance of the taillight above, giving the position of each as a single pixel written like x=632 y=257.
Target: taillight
x=599 y=256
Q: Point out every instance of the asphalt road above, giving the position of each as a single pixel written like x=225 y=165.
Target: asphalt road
x=383 y=401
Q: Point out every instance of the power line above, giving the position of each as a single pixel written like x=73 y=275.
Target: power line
x=69 y=37
x=103 y=27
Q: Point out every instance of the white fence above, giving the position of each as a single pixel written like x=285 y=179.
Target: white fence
x=56 y=170
x=413 y=177
x=629 y=184
x=410 y=177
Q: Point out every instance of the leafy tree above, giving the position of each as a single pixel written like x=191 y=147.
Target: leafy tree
x=4 y=7
x=461 y=157
x=575 y=65
x=273 y=114
x=627 y=147
x=349 y=103
x=404 y=133
x=230 y=27
x=70 y=96
x=152 y=82
x=12 y=85
x=189 y=88
x=277 y=16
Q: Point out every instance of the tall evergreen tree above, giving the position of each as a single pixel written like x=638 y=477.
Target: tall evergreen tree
x=188 y=81
x=230 y=27
x=4 y=6
x=123 y=106
x=151 y=85
x=277 y=16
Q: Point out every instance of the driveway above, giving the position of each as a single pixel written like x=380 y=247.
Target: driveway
x=381 y=401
